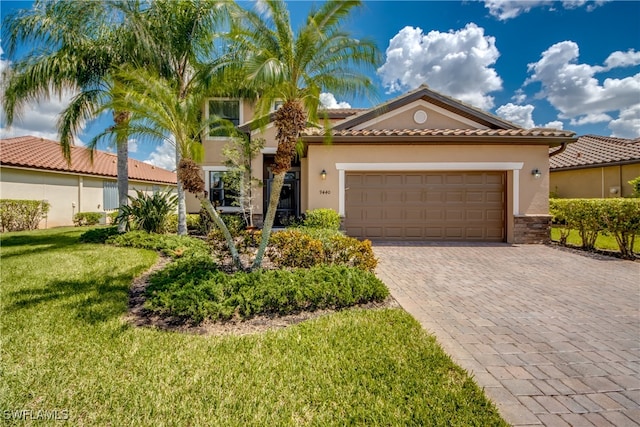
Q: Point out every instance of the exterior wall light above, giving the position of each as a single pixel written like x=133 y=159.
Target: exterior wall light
x=323 y=174
x=536 y=173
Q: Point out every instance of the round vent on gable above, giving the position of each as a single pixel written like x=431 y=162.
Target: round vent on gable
x=420 y=117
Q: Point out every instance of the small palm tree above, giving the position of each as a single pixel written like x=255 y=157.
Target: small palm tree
x=295 y=69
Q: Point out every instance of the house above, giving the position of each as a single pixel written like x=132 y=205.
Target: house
x=33 y=168
x=423 y=166
x=595 y=167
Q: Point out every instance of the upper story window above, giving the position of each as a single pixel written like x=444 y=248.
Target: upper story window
x=228 y=109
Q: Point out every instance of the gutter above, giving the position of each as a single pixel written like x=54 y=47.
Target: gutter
x=563 y=147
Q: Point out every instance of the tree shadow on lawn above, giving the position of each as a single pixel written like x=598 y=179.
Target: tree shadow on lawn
x=92 y=300
x=35 y=243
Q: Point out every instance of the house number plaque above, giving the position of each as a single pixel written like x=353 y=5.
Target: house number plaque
x=325 y=191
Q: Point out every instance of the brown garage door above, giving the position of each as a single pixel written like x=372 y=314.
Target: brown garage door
x=458 y=206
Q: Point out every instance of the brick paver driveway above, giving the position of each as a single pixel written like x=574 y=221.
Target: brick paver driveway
x=552 y=336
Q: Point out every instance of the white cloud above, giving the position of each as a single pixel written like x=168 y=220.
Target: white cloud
x=573 y=89
x=132 y=144
x=628 y=123
x=457 y=63
x=327 y=100
x=555 y=124
x=519 y=114
x=508 y=9
x=164 y=156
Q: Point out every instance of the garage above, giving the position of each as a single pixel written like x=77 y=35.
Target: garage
x=437 y=206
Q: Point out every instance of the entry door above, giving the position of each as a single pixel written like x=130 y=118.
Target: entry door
x=289 y=204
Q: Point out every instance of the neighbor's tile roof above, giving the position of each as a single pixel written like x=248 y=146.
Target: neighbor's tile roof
x=596 y=150
x=44 y=154
x=537 y=132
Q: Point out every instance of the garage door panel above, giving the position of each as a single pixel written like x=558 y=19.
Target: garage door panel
x=426 y=206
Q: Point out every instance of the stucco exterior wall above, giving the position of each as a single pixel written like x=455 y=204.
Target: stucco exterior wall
x=405 y=120
x=597 y=182
x=67 y=194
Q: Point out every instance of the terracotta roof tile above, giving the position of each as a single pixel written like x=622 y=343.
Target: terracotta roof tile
x=39 y=153
x=537 y=132
x=596 y=150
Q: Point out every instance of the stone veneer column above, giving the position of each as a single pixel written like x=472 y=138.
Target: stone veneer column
x=532 y=229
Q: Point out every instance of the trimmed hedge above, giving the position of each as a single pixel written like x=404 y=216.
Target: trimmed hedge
x=322 y=218
x=619 y=217
x=19 y=215
x=86 y=218
x=192 y=288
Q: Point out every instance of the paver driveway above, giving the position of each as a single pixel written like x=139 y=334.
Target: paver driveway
x=552 y=336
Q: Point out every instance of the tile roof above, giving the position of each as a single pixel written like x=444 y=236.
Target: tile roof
x=591 y=150
x=39 y=153
x=536 y=132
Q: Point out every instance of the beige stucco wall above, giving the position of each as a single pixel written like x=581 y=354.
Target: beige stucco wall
x=404 y=120
x=595 y=182
x=67 y=194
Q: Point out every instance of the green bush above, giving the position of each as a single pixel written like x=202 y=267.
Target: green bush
x=98 y=235
x=617 y=216
x=19 y=215
x=193 y=223
x=149 y=212
x=348 y=251
x=322 y=218
x=113 y=217
x=171 y=245
x=86 y=218
x=293 y=249
x=621 y=218
x=197 y=291
x=635 y=185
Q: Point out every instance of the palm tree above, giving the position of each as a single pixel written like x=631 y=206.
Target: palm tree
x=75 y=46
x=160 y=113
x=295 y=69
x=184 y=35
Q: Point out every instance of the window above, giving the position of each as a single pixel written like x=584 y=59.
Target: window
x=228 y=109
x=110 y=199
x=220 y=192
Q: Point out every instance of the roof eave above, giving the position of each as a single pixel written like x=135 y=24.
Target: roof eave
x=550 y=141
x=595 y=165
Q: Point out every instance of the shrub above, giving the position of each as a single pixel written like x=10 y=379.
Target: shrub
x=19 y=215
x=294 y=249
x=618 y=216
x=635 y=185
x=193 y=223
x=87 y=218
x=113 y=217
x=149 y=212
x=345 y=250
x=196 y=291
x=621 y=218
x=98 y=235
x=322 y=218
x=579 y=214
x=171 y=245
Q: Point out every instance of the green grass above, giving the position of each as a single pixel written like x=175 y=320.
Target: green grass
x=65 y=347
x=603 y=242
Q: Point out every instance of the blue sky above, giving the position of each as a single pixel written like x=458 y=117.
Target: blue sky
x=573 y=65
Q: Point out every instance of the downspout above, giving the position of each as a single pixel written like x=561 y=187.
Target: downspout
x=563 y=147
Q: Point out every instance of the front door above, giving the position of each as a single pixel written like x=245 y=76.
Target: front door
x=289 y=204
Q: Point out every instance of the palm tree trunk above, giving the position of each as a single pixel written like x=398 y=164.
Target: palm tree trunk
x=276 y=188
x=206 y=205
x=182 y=204
x=121 y=122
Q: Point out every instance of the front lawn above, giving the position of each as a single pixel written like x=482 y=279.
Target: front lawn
x=66 y=348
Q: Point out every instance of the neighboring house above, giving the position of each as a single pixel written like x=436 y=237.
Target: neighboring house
x=595 y=167
x=33 y=168
x=422 y=166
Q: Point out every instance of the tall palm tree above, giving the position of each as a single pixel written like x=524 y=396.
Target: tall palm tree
x=75 y=46
x=184 y=34
x=295 y=69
